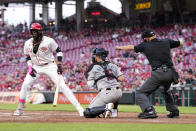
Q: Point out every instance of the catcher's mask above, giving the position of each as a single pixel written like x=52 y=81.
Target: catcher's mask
x=101 y=52
x=36 y=31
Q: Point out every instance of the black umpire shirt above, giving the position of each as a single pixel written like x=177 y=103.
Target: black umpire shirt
x=157 y=51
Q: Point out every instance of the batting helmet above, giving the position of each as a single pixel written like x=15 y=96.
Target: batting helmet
x=147 y=33
x=36 y=26
x=101 y=52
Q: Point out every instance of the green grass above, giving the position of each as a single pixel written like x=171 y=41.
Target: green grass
x=94 y=127
x=69 y=107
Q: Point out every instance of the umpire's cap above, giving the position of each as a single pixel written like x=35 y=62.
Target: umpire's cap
x=100 y=52
x=147 y=33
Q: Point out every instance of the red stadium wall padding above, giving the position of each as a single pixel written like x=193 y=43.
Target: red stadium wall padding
x=9 y=97
x=83 y=98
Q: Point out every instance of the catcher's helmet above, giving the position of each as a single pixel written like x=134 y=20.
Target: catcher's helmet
x=36 y=26
x=101 y=52
x=147 y=33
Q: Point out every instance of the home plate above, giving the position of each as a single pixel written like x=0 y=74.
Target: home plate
x=5 y=114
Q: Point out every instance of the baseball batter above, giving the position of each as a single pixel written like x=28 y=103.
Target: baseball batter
x=106 y=76
x=40 y=59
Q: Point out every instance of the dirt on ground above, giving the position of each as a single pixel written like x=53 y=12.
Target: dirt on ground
x=73 y=117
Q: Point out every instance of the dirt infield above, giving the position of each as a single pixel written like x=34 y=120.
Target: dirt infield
x=68 y=117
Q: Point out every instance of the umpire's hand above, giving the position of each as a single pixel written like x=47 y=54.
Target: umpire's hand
x=60 y=69
x=117 y=47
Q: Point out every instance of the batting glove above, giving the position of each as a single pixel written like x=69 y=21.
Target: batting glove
x=60 y=69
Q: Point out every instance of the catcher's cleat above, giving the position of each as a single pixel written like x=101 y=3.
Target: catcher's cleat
x=114 y=113
x=108 y=109
x=173 y=114
x=18 y=112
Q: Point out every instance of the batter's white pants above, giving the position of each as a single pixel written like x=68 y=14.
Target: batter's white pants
x=51 y=71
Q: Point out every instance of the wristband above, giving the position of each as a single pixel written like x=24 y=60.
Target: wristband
x=30 y=69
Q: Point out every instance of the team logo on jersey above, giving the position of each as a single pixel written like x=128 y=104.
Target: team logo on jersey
x=30 y=50
x=43 y=49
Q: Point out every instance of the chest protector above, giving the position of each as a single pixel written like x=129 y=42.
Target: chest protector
x=104 y=66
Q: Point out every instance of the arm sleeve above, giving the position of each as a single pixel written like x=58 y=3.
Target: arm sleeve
x=90 y=77
x=174 y=44
x=117 y=71
x=90 y=83
x=139 y=48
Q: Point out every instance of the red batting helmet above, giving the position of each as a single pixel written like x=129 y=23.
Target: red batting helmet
x=36 y=26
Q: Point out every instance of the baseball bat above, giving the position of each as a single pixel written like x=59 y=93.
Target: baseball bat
x=56 y=92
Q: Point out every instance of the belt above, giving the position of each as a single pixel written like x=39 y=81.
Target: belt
x=108 y=89
x=46 y=63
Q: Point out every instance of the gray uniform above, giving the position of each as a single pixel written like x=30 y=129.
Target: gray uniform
x=105 y=75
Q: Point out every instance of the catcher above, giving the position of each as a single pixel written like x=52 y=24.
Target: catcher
x=106 y=76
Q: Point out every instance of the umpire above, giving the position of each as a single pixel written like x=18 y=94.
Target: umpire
x=163 y=73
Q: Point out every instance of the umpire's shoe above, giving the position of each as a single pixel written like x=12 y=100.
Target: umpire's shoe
x=173 y=114
x=149 y=113
x=108 y=109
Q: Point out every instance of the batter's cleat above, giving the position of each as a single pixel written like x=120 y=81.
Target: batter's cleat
x=149 y=113
x=108 y=109
x=20 y=109
x=114 y=113
x=173 y=114
x=18 y=112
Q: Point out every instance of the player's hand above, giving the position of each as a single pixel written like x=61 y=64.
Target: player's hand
x=60 y=69
x=117 y=47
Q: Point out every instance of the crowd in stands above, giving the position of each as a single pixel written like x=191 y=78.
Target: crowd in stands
x=135 y=66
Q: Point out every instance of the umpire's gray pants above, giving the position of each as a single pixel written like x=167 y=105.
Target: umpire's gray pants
x=158 y=78
x=106 y=96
